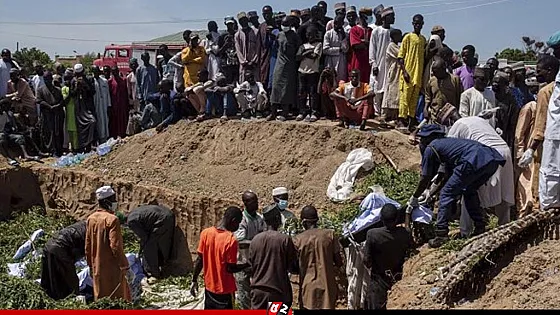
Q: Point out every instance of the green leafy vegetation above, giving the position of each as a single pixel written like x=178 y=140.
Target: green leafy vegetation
x=397 y=186
x=26 y=293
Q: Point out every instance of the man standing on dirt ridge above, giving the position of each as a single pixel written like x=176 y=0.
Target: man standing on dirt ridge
x=217 y=255
x=104 y=249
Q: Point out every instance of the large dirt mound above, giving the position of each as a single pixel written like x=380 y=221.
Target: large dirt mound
x=222 y=159
x=531 y=281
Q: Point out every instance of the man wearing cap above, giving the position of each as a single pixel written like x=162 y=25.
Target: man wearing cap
x=339 y=10
x=360 y=36
x=272 y=256
x=83 y=90
x=411 y=60
x=227 y=53
x=280 y=198
x=352 y=18
x=284 y=90
x=547 y=69
x=519 y=88
x=51 y=101
x=247 y=48
x=217 y=255
x=194 y=59
x=104 y=249
x=253 y=17
x=468 y=163
x=435 y=45
x=385 y=251
x=58 y=272
x=478 y=98
x=155 y=227
x=549 y=194
x=6 y=64
x=379 y=41
x=266 y=36
x=498 y=193
x=335 y=48
x=251 y=225
x=314 y=22
x=377 y=11
x=319 y=253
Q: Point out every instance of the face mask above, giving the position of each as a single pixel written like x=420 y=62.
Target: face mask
x=286 y=28
x=114 y=206
x=282 y=204
x=369 y=19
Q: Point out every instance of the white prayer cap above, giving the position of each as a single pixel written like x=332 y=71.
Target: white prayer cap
x=104 y=192
x=279 y=191
x=78 y=68
x=159 y=57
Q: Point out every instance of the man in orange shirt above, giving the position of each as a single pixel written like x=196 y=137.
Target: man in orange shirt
x=353 y=101
x=217 y=255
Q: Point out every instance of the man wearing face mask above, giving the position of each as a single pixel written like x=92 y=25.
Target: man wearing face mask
x=104 y=249
x=280 y=197
x=466 y=72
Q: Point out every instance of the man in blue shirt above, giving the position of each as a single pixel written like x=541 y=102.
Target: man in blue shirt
x=468 y=164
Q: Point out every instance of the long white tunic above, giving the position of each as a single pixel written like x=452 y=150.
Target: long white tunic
x=102 y=101
x=549 y=174
x=334 y=57
x=500 y=188
x=177 y=65
x=380 y=39
x=473 y=101
x=213 y=61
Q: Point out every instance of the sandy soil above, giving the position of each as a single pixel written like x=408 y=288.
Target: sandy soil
x=221 y=160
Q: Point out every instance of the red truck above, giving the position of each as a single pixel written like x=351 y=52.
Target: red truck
x=120 y=54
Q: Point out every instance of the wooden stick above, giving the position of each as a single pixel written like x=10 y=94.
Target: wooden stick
x=388 y=159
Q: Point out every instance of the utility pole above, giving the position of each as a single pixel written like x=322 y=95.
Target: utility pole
x=17 y=46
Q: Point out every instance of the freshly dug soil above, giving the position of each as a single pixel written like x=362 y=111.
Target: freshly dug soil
x=221 y=160
x=531 y=281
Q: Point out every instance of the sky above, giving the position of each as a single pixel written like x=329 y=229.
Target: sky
x=489 y=25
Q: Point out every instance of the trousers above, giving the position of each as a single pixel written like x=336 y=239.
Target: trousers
x=465 y=182
x=408 y=99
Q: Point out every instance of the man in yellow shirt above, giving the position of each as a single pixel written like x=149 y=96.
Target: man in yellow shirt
x=411 y=61
x=194 y=59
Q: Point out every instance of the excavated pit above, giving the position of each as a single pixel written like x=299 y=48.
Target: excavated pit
x=516 y=271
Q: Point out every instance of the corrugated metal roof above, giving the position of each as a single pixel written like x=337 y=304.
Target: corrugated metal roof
x=173 y=39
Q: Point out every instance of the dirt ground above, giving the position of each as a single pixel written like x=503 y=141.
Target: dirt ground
x=531 y=281
x=223 y=159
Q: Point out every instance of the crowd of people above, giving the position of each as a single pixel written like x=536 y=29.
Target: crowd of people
x=487 y=137
x=303 y=65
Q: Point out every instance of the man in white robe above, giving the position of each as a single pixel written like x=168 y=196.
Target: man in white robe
x=379 y=41
x=478 y=98
x=212 y=48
